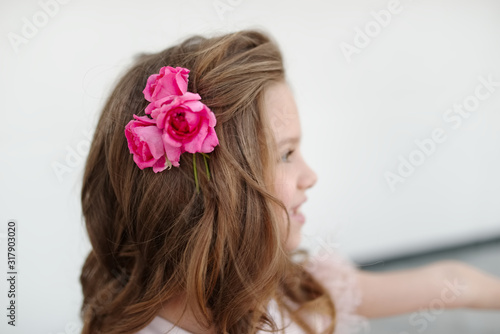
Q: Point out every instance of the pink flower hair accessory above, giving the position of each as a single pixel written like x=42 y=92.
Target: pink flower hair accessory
x=180 y=123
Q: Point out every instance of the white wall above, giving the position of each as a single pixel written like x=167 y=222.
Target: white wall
x=359 y=114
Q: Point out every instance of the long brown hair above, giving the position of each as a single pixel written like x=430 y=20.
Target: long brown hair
x=153 y=235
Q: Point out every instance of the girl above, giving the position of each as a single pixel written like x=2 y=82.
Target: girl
x=191 y=197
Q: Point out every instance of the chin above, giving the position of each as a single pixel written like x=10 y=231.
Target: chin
x=295 y=235
x=293 y=242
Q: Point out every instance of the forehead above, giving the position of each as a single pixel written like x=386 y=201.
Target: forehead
x=282 y=111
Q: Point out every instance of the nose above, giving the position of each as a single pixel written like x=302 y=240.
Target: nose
x=308 y=177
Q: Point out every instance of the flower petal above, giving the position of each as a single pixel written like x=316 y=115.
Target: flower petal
x=212 y=121
x=160 y=165
x=181 y=79
x=149 y=89
x=194 y=145
x=194 y=105
x=210 y=142
x=153 y=137
x=173 y=152
x=167 y=139
x=145 y=120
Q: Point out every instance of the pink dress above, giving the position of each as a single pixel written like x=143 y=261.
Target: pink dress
x=338 y=275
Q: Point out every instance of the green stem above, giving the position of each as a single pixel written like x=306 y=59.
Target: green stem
x=195 y=173
x=206 y=166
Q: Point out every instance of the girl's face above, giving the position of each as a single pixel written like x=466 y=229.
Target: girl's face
x=293 y=176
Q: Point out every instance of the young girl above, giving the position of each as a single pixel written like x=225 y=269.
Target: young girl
x=191 y=197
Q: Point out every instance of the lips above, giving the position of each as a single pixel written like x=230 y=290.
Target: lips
x=297 y=207
x=295 y=213
x=299 y=217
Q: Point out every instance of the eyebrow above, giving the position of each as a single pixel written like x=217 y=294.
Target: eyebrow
x=289 y=140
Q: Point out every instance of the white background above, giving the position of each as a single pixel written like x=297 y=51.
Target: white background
x=359 y=115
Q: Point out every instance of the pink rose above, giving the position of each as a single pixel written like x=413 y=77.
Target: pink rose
x=145 y=143
x=187 y=124
x=180 y=123
x=170 y=81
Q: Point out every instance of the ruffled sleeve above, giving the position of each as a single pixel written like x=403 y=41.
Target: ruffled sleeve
x=338 y=274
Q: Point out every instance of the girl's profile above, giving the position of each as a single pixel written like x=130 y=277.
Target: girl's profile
x=194 y=212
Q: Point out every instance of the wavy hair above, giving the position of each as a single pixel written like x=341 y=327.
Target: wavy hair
x=153 y=235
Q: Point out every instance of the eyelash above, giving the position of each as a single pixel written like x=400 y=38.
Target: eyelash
x=286 y=156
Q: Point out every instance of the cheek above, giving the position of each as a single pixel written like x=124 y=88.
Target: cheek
x=284 y=188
